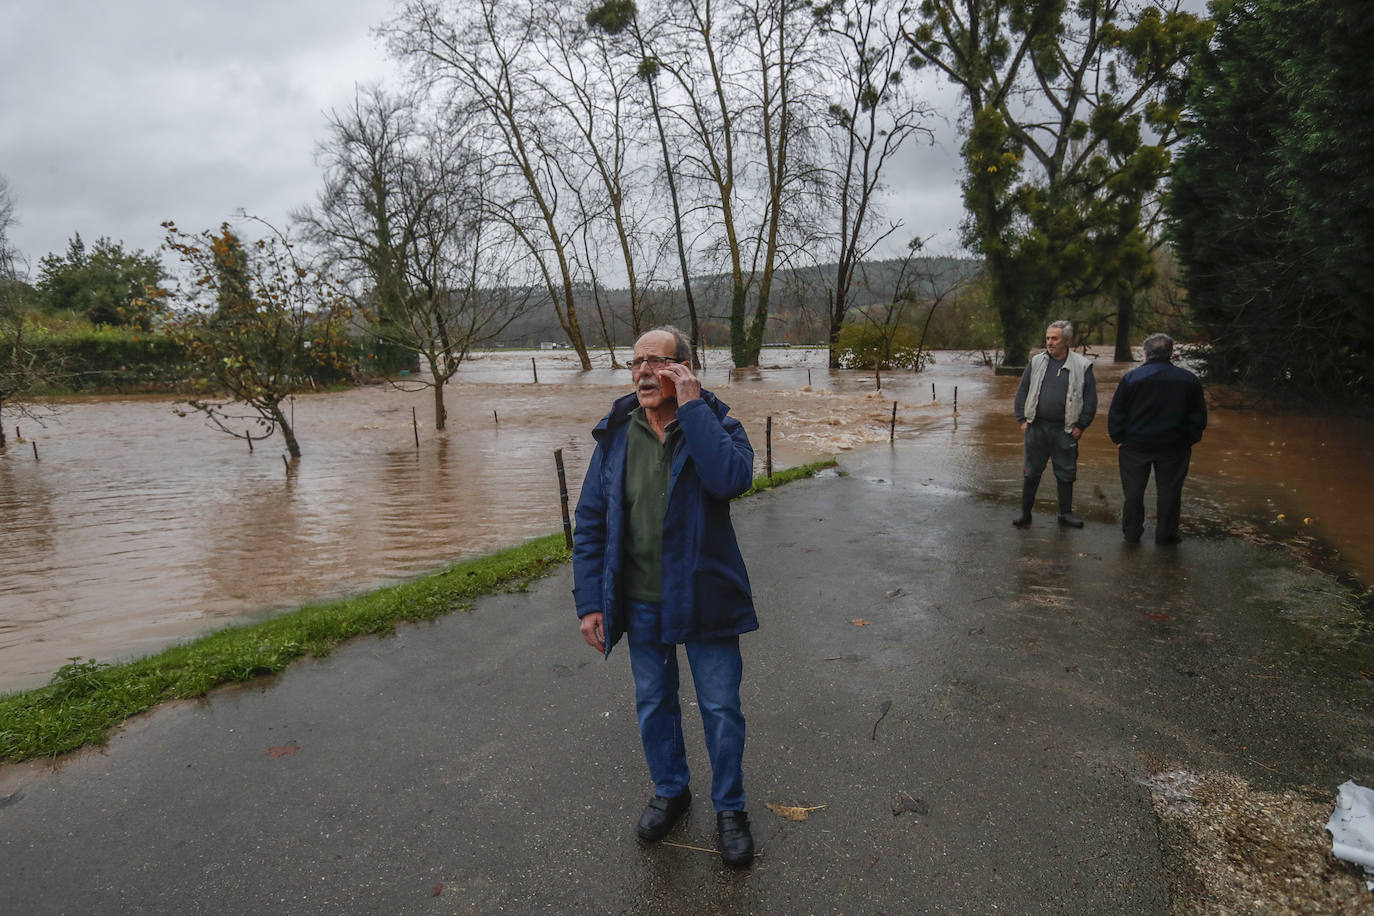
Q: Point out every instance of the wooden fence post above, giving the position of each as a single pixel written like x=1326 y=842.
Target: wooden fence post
x=563 y=497
x=768 y=451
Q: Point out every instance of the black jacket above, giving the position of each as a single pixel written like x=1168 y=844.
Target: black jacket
x=1157 y=407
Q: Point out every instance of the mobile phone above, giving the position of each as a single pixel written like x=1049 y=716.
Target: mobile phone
x=666 y=384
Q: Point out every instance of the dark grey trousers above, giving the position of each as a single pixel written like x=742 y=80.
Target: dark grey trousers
x=1171 y=469
x=1047 y=441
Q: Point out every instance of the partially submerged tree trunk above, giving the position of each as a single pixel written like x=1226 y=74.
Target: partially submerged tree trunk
x=287 y=432
x=440 y=411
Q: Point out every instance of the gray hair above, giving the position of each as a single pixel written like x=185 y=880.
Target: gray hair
x=1063 y=326
x=1158 y=347
x=682 y=347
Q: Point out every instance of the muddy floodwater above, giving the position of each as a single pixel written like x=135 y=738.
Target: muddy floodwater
x=135 y=528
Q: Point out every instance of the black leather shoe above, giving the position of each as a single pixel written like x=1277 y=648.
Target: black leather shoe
x=1069 y=520
x=736 y=842
x=660 y=814
x=1022 y=521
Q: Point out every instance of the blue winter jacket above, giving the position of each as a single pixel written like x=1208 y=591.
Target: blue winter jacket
x=705 y=587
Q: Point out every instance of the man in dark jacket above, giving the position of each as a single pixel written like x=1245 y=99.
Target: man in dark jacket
x=655 y=558
x=1157 y=415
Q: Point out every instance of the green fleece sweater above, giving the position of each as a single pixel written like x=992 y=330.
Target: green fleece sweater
x=648 y=472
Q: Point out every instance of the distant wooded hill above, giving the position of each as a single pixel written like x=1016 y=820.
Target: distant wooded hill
x=797 y=311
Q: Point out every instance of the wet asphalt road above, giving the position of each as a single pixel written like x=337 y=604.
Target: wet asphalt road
x=489 y=762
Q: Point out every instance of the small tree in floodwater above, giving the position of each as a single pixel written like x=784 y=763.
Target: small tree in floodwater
x=258 y=326
x=24 y=363
x=405 y=212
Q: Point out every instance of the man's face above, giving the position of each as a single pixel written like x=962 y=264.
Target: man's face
x=1055 y=343
x=652 y=352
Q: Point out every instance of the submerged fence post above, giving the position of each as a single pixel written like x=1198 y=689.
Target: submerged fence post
x=808 y=378
x=563 y=496
x=768 y=450
x=248 y=434
x=35 y=450
x=956 y=398
x=415 y=425
x=932 y=391
x=892 y=428
x=495 y=419
x=535 y=367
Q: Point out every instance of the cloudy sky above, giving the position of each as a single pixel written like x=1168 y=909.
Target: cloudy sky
x=117 y=115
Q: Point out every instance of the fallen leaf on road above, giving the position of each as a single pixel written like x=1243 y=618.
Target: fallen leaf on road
x=285 y=750
x=908 y=802
x=793 y=812
x=1158 y=616
x=859 y=622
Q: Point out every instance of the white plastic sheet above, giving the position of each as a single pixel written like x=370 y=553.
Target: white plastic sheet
x=1352 y=827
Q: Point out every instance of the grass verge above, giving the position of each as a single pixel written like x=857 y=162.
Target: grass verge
x=787 y=476
x=85 y=700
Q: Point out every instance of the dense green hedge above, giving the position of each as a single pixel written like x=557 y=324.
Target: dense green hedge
x=84 y=357
x=104 y=357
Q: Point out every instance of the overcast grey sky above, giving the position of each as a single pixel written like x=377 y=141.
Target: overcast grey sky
x=117 y=115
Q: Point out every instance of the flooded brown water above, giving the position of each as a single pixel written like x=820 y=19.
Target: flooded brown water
x=136 y=528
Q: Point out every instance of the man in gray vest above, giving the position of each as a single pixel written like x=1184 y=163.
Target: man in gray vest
x=1055 y=403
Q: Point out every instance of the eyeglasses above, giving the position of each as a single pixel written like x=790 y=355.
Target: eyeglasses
x=654 y=362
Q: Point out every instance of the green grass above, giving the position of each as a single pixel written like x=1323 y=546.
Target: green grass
x=787 y=476
x=86 y=699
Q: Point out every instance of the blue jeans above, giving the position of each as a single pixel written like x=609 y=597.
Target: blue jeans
x=716 y=670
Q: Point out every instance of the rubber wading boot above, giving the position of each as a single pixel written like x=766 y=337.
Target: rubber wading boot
x=1028 y=487
x=1066 y=516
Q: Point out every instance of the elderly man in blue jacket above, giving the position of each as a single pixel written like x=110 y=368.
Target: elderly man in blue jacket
x=655 y=559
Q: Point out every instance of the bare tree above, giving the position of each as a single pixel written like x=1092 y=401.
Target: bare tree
x=582 y=79
x=10 y=259
x=24 y=364
x=617 y=18
x=404 y=207
x=873 y=113
x=368 y=158
x=484 y=54
x=887 y=336
x=743 y=101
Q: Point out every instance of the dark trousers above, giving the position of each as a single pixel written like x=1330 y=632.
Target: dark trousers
x=1047 y=442
x=1171 y=468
